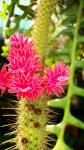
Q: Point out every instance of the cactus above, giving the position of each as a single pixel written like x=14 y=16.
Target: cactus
x=42 y=23
x=32 y=116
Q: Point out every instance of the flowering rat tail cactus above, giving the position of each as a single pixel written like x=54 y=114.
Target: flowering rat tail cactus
x=26 y=81
x=23 y=77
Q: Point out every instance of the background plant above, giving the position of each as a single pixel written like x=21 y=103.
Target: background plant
x=72 y=52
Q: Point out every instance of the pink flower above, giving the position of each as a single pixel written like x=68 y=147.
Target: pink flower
x=56 y=78
x=24 y=65
x=23 y=72
x=3 y=78
x=22 y=55
x=25 y=86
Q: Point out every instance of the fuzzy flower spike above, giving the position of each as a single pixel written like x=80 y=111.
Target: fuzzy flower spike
x=56 y=78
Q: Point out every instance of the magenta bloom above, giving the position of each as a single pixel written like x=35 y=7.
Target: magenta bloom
x=22 y=55
x=3 y=78
x=26 y=86
x=56 y=78
x=24 y=65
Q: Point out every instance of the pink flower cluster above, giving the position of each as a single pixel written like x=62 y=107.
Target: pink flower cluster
x=23 y=75
x=22 y=56
x=56 y=78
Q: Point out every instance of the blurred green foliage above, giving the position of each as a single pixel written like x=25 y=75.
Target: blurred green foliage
x=62 y=31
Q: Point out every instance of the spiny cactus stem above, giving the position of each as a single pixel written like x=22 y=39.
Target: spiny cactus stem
x=41 y=26
x=31 y=121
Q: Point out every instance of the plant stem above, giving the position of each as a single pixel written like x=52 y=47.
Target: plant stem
x=72 y=67
x=41 y=26
x=67 y=115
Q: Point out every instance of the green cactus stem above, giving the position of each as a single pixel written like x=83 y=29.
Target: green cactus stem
x=32 y=118
x=42 y=23
x=32 y=115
